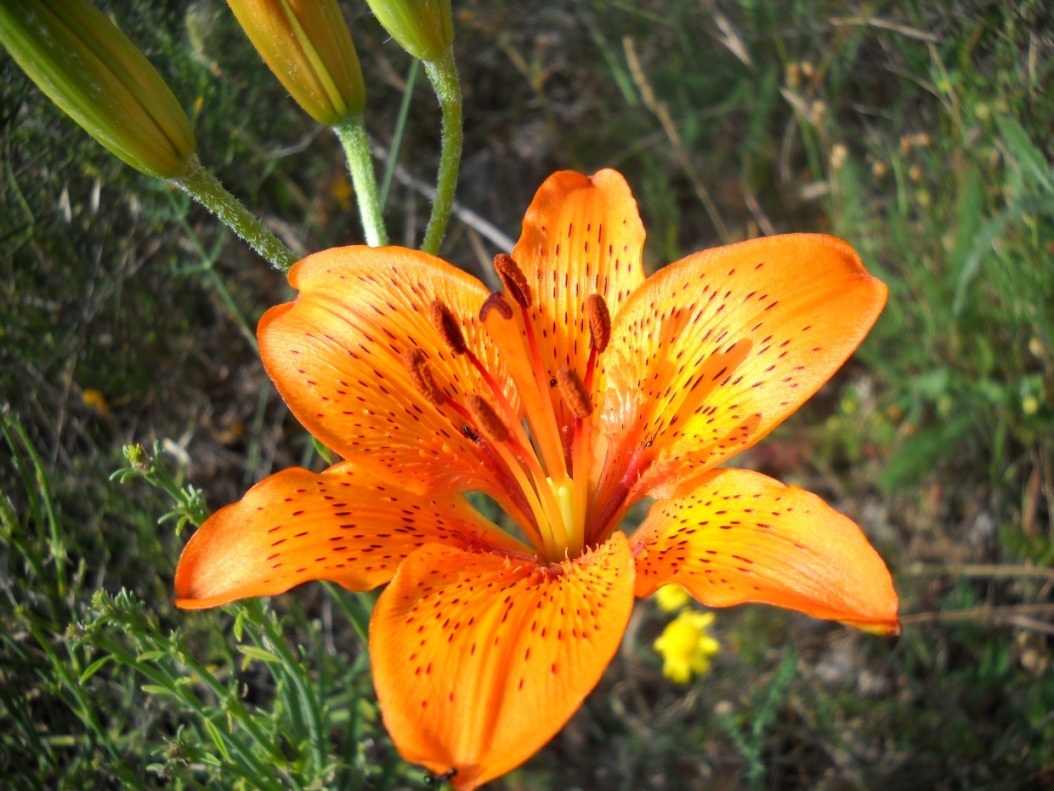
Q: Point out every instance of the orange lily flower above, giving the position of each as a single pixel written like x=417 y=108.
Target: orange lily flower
x=579 y=390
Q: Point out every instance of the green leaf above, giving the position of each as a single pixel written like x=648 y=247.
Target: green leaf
x=255 y=652
x=217 y=739
x=1025 y=152
x=94 y=668
x=155 y=689
x=969 y=215
x=918 y=455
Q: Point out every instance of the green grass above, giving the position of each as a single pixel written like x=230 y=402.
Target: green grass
x=917 y=131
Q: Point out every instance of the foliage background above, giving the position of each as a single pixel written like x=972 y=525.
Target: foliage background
x=919 y=131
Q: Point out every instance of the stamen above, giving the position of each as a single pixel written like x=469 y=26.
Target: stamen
x=574 y=393
x=421 y=375
x=513 y=279
x=448 y=327
x=495 y=302
x=492 y=426
x=599 y=321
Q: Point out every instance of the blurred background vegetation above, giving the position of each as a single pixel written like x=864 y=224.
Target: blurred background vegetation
x=919 y=131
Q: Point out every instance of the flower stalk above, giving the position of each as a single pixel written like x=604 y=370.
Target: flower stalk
x=203 y=186
x=443 y=75
x=352 y=134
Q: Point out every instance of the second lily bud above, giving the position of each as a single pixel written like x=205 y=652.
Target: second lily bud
x=307 y=45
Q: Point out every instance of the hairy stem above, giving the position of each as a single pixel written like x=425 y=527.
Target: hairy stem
x=352 y=134
x=200 y=183
x=443 y=75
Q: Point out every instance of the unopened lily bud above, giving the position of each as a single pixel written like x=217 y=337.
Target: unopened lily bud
x=308 y=46
x=424 y=28
x=90 y=69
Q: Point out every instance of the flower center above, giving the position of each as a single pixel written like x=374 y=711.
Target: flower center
x=541 y=454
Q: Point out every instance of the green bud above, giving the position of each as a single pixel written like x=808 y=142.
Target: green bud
x=307 y=45
x=90 y=69
x=423 y=28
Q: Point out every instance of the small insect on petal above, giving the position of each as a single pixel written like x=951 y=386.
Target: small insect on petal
x=490 y=425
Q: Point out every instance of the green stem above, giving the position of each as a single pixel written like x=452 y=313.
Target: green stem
x=352 y=134
x=205 y=188
x=294 y=669
x=88 y=713
x=163 y=677
x=443 y=75
x=11 y=428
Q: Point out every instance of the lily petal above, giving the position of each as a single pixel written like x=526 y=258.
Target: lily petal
x=478 y=660
x=582 y=235
x=336 y=357
x=743 y=537
x=715 y=351
x=342 y=525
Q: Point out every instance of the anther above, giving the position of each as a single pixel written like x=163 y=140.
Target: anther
x=448 y=327
x=487 y=420
x=513 y=279
x=495 y=302
x=599 y=321
x=574 y=393
x=421 y=375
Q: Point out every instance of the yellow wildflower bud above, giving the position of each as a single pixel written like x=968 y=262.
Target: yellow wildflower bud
x=424 y=28
x=308 y=46
x=90 y=69
x=686 y=647
x=672 y=598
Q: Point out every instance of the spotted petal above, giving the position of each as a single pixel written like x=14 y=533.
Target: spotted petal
x=342 y=525
x=478 y=659
x=742 y=537
x=715 y=351
x=336 y=357
x=582 y=235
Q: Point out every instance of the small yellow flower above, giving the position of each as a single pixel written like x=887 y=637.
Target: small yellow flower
x=686 y=646
x=96 y=401
x=672 y=598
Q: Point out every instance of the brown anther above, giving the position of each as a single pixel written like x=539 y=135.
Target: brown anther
x=574 y=393
x=448 y=327
x=599 y=321
x=487 y=421
x=513 y=279
x=495 y=302
x=421 y=375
